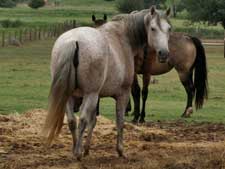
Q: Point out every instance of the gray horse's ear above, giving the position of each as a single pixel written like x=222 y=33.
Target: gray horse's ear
x=93 y=18
x=168 y=12
x=152 y=10
x=105 y=17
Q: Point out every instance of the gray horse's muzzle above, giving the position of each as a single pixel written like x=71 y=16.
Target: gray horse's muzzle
x=163 y=55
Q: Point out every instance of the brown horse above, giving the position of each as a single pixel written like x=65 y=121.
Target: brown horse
x=99 y=62
x=187 y=56
x=99 y=22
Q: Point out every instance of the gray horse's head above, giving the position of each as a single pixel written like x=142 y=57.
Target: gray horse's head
x=158 y=30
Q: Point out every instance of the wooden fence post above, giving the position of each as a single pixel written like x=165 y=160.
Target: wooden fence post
x=20 y=36
x=224 y=45
x=74 y=23
x=3 y=38
x=30 y=32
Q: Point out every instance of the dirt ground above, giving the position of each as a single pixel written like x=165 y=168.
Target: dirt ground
x=151 y=146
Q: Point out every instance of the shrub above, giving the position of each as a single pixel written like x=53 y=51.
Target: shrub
x=35 y=4
x=7 y=3
x=11 y=24
x=128 y=6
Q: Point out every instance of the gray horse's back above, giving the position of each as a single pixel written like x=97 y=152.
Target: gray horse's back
x=92 y=56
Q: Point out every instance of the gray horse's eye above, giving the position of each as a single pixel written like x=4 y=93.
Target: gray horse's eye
x=169 y=29
x=153 y=29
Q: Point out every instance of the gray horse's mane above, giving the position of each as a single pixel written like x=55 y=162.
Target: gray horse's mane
x=135 y=25
x=136 y=30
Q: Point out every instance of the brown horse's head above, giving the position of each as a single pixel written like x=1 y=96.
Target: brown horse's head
x=158 y=29
x=99 y=22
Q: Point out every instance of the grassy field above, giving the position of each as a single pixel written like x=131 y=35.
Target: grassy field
x=82 y=10
x=25 y=80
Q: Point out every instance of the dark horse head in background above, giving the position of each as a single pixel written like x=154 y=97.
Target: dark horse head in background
x=99 y=22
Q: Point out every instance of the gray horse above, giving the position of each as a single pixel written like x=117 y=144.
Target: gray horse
x=99 y=62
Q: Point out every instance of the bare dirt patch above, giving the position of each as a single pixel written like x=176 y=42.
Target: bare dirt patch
x=152 y=146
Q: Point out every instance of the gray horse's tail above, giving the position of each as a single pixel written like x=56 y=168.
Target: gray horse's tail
x=200 y=79
x=63 y=84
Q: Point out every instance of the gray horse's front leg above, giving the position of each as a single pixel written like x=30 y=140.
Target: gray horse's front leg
x=121 y=103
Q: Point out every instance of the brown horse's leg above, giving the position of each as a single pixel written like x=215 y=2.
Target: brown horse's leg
x=97 y=107
x=136 y=96
x=146 y=80
x=128 y=108
x=190 y=90
x=77 y=103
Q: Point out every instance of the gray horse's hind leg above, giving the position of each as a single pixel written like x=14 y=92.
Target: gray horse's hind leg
x=121 y=103
x=90 y=131
x=72 y=123
x=188 y=84
x=88 y=107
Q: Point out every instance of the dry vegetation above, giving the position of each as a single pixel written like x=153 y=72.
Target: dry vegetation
x=154 y=146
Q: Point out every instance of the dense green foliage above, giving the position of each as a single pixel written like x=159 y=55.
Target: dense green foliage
x=210 y=11
x=7 y=23
x=7 y=3
x=127 y=6
x=35 y=4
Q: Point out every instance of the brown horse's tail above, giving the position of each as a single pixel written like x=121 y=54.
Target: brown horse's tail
x=200 y=79
x=63 y=84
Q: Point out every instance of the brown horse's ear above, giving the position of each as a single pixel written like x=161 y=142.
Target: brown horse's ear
x=152 y=10
x=93 y=18
x=105 y=17
x=168 y=12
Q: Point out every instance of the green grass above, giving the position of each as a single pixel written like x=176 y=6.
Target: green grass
x=69 y=10
x=25 y=81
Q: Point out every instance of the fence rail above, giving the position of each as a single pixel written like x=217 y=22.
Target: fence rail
x=20 y=36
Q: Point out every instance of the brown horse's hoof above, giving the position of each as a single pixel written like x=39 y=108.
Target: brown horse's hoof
x=142 y=120
x=187 y=113
x=134 y=121
x=86 y=153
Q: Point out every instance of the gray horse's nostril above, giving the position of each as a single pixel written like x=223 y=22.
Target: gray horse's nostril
x=163 y=55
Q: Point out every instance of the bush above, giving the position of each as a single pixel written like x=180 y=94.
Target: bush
x=11 y=24
x=127 y=6
x=35 y=4
x=7 y=3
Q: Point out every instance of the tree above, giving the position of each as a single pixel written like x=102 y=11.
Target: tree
x=35 y=4
x=7 y=3
x=211 y=11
